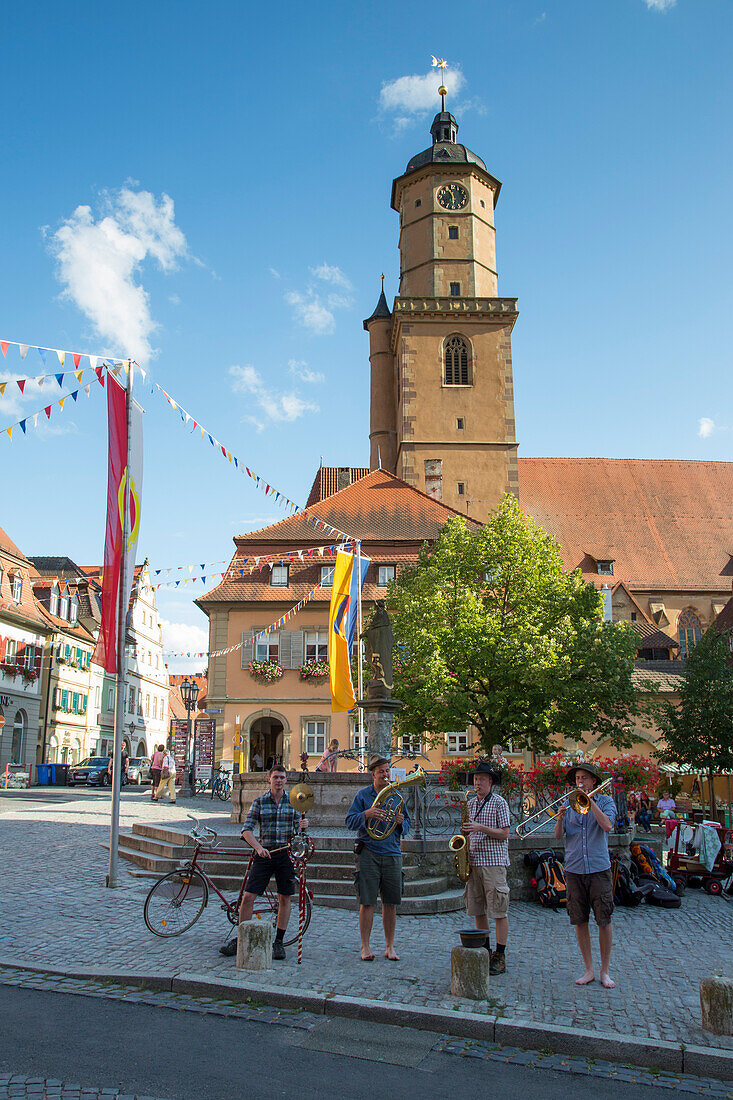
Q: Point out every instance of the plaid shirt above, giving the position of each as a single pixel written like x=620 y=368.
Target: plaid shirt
x=278 y=822
x=485 y=850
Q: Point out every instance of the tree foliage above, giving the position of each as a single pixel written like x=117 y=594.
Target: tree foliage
x=698 y=731
x=490 y=629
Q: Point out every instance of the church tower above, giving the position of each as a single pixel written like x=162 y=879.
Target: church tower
x=442 y=401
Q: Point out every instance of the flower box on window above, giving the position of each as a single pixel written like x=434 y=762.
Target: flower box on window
x=9 y=669
x=314 y=672
x=29 y=675
x=265 y=672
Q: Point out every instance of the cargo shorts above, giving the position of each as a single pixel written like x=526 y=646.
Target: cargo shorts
x=487 y=892
x=378 y=876
x=586 y=892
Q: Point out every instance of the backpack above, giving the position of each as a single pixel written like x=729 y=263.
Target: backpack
x=625 y=891
x=648 y=863
x=549 y=878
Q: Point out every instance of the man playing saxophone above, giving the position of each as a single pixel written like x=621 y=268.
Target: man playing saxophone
x=487 y=893
x=378 y=862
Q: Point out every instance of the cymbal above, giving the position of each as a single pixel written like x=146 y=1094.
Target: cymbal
x=302 y=797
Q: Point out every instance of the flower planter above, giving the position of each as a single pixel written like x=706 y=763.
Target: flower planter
x=314 y=672
x=263 y=672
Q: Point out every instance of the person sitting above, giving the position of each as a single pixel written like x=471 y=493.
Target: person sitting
x=666 y=806
x=644 y=812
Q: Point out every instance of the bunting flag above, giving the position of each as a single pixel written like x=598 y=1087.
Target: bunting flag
x=124 y=486
x=46 y=410
x=262 y=634
x=76 y=356
x=341 y=626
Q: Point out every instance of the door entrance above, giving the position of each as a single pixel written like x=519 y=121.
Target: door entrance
x=265 y=744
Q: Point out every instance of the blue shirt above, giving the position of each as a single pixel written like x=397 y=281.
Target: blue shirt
x=586 y=844
x=355 y=820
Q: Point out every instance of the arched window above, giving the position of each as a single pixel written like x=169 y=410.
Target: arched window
x=457 y=362
x=689 y=630
x=20 y=726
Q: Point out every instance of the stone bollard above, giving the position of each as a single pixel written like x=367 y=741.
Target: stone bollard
x=469 y=973
x=716 y=1003
x=254 y=945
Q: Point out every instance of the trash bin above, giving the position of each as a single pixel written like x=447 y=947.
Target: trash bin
x=60 y=774
x=44 y=774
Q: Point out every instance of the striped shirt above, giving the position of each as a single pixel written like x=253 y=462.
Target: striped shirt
x=278 y=821
x=486 y=851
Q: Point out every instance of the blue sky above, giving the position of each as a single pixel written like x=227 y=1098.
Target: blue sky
x=207 y=189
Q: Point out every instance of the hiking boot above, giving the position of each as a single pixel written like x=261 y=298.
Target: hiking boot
x=497 y=963
x=278 y=950
x=229 y=949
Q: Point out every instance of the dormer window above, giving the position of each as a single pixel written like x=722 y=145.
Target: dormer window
x=605 y=567
x=53 y=603
x=73 y=609
x=16 y=587
x=64 y=607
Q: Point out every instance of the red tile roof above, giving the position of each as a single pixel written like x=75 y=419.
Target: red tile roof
x=667 y=524
x=327 y=481
x=724 y=620
x=391 y=518
x=7 y=544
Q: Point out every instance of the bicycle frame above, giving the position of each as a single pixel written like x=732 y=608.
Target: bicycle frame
x=232 y=908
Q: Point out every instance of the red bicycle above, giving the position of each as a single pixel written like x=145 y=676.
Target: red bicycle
x=178 y=899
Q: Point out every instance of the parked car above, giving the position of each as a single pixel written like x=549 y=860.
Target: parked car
x=138 y=769
x=92 y=771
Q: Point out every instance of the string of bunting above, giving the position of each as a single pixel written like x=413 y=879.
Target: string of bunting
x=32 y=419
x=75 y=356
x=260 y=483
x=262 y=634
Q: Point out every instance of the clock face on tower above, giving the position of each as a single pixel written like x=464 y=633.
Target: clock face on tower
x=452 y=196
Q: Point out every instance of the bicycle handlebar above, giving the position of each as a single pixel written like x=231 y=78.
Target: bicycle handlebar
x=202 y=834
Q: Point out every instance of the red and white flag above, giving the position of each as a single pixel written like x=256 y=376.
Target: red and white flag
x=124 y=490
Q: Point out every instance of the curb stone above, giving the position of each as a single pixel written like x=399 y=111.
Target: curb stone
x=700 y=1061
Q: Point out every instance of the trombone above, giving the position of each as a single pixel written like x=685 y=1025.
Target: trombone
x=577 y=800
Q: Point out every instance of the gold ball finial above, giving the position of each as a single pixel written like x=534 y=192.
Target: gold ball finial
x=442 y=90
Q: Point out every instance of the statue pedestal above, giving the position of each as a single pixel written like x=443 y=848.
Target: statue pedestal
x=379 y=717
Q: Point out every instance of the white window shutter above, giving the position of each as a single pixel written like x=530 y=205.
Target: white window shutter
x=285 y=651
x=298 y=648
x=246 y=647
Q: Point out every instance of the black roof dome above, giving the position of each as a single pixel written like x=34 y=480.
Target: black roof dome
x=444 y=149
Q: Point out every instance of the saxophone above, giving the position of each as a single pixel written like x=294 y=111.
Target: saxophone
x=459 y=845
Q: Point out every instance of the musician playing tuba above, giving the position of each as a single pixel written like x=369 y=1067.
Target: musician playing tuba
x=487 y=893
x=378 y=861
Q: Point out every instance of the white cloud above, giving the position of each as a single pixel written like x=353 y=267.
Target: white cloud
x=329 y=273
x=282 y=407
x=705 y=427
x=275 y=273
x=413 y=95
x=100 y=260
x=660 y=5
x=302 y=371
x=181 y=637
x=314 y=309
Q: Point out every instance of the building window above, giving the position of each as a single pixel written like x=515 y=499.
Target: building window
x=75 y=702
x=605 y=567
x=452 y=232
x=279 y=576
x=53 y=605
x=633 y=616
x=418 y=202
x=456 y=362
x=409 y=744
x=385 y=574
x=482 y=203
x=315 y=736
x=268 y=648
x=73 y=609
x=17 y=589
x=155 y=706
x=460 y=423
x=327 y=575
x=316 y=645
x=97 y=696
x=455 y=290
x=131 y=702
x=689 y=629
x=64 y=700
x=20 y=726
x=110 y=699
x=30 y=657
x=64 y=608
x=456 y=743
x=147 y=706
x=11 y=650
x=461 y=488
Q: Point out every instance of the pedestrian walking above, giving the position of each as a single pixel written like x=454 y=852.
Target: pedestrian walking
x=167 y=777
x=156 y=767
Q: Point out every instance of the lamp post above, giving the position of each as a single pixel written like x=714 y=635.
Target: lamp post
x=189 y=694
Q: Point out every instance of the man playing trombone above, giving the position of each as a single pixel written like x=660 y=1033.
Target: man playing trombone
x=588 y=867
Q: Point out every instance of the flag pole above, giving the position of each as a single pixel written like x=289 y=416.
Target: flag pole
x=360 y=671
x=114 y=827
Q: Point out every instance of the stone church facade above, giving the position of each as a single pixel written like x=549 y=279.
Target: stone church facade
x=656 y=536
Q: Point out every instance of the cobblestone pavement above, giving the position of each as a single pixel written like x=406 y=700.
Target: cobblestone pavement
x=19 y=1086
x=58 y=912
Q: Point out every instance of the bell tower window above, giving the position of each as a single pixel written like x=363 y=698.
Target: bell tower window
x=456 y=362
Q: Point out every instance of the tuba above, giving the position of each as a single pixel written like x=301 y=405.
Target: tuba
x=391 y=801
x=459 y=845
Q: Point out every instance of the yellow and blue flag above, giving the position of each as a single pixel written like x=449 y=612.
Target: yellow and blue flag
x=341 y=627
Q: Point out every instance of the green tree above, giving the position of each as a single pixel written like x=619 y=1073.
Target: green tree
x=490 y=629
x=699 y=730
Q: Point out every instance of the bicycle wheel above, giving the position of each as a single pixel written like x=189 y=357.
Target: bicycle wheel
x=224 y=789
x=175 y=903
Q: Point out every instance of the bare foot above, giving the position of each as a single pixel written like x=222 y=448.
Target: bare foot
x=391 y=955
x=586 y=978
x=607 y=981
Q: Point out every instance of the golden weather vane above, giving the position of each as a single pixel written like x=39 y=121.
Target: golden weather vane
x=440 y=63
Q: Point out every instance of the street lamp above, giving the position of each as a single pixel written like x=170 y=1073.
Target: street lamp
x=189 y=694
